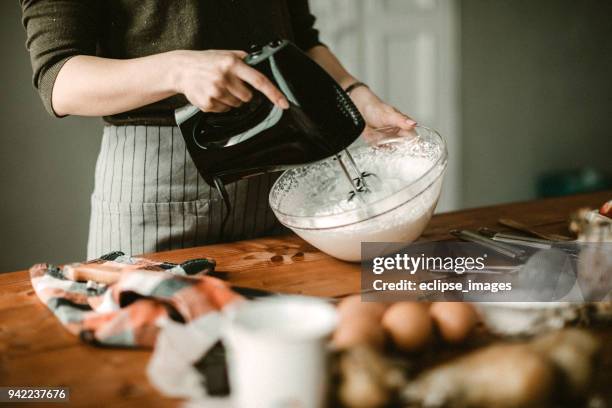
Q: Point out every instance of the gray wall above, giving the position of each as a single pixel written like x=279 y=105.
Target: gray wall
x=536 y=96
x=46 y=165
x=536 y=93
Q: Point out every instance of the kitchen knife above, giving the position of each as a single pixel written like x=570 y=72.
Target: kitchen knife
x=568 y=247
x=499 y=247
x=519 y=226
x=516 y=239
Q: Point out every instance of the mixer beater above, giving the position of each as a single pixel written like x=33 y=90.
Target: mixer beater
x=358 y=179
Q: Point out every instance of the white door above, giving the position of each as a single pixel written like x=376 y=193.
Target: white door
x=407 y=52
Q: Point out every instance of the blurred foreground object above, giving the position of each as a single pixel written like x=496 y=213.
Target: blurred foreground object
x=551 y=368
x=606 y=209
x=368 y=378
x=595 y=262
x=406 y=326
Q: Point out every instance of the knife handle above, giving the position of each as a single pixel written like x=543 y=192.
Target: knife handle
x=518 y=226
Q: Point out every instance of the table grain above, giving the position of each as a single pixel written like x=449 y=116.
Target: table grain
x=35 y=350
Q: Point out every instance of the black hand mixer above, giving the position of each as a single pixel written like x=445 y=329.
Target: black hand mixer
x=259 y=137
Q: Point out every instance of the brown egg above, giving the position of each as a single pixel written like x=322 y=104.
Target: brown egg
x=455 y=320
x=359 y=330
x=409 y=325
x=353 y=306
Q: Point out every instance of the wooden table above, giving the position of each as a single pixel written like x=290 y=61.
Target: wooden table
x=35 y=350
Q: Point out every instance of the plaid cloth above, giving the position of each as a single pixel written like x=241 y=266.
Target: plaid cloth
x=131 y=311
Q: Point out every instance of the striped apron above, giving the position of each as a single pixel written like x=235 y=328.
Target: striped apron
x=149 y=197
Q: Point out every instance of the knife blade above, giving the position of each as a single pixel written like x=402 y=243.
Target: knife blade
x=499 y=247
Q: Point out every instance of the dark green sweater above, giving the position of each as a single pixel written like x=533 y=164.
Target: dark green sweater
x=60 y=29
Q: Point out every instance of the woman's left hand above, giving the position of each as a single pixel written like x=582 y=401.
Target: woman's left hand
x=378 y=114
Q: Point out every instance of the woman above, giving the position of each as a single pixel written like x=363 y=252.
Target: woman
x=135 y=61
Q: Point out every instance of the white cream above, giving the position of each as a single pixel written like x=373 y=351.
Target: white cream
x=404 y=224
x=322 y=190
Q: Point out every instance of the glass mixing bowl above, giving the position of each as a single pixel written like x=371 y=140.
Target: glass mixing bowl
x=405 y=182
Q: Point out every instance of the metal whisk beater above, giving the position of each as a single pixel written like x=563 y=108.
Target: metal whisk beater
x=358 y=182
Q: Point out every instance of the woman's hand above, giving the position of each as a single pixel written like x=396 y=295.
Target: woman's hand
x=216 y=81
x=378 y=114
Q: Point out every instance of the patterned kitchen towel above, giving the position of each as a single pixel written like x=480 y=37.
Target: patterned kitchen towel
x=130 y=311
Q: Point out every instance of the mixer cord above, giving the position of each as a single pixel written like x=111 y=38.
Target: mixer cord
x=227 y=204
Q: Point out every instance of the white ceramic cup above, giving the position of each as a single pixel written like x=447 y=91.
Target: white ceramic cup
x=277 y=354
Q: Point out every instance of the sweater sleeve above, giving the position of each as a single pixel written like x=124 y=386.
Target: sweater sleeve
x=302 y=22
x=57 y=30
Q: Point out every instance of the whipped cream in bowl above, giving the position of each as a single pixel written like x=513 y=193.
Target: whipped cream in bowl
x=404 y=180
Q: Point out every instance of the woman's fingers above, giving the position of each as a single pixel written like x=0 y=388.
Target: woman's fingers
x=397 y=119
x=214 y=105
x=373 y=136
x=260 y=82
x=239 y=53
x=218 y=106
x=239 y=89
x=229 y=99
x=217 y=80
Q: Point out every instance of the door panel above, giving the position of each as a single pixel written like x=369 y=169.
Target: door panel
x=408 y=6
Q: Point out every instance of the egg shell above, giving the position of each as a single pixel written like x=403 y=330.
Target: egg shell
x=358 y=330
x=353 y=306
x=455 y=320
x=409 y=324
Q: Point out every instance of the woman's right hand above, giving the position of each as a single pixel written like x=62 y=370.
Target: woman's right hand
x=216 y=80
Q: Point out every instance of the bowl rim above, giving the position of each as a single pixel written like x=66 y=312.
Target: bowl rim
x=359 y=214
